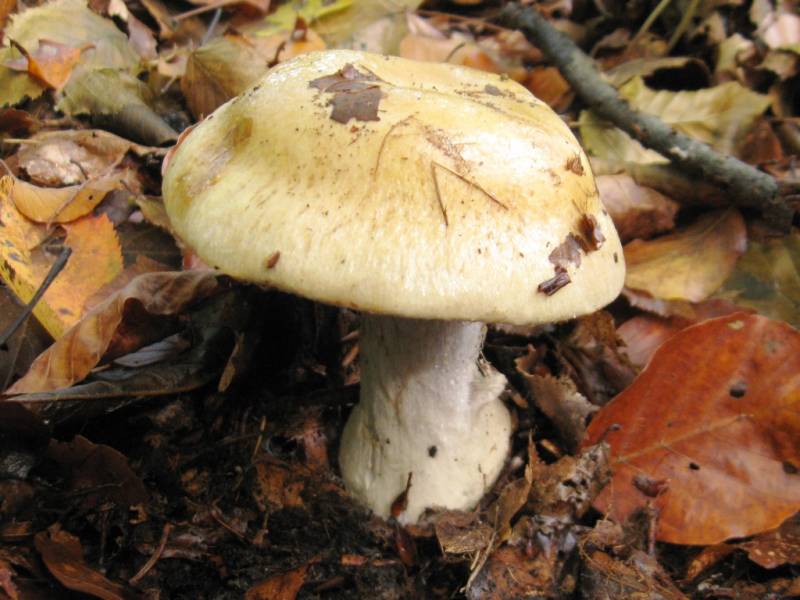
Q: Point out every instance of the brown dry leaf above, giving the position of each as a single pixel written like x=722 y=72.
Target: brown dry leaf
x=278 y=485
x=509 y=574
x=81 y=348
x=50 y=64
x=640 y=577
x=58 y=205
x=98 y=473
x=512 y=498
x=690 y=264
x=95 y=260
x=642 y=334
x=457 y=50
x=228 y=65
x=715 y=414
x=70 y=157
x=461 y=532
x=561 y=402
x=63 y=556
x=775 y=548
x=283 y=586
x=547 y=84
x=637 y=211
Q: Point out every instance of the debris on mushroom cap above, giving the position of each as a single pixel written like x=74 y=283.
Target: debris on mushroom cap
x=415 y=189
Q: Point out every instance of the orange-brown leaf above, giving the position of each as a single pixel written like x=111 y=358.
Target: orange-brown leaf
x=50 y=64
x=689 y=264
x=283 y=586
x=63 y=556
x=715 y=414
x=73 y=356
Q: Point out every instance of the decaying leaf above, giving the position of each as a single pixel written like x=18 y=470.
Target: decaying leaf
x=715 y=414
x=98 y=472
x=767 y=278
x=640 y=577
x=283 y=586
x=63 y=556
x=690 y=264
x=462 y=532
x=637 y=211
x=228 y=65
x=70 y=157
x=81 y=348
x=510 y=573
x=775 y=548
x=563 y=404
x=718 y=116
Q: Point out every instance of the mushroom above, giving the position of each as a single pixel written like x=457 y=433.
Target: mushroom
x=432 y=198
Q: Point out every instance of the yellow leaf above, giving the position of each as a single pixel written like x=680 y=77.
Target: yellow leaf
x=284 y=18
x=689 y=264
x=718 y=116
x=58 y=205
x=96 y=259
x=72 y=357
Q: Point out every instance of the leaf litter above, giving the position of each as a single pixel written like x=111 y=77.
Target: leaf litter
x=180 y=431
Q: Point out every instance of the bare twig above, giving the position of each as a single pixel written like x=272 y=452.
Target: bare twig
x=742 y=183
x=58 y=265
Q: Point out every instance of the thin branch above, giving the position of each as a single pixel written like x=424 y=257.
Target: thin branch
x=743 y=184
x=58 y=265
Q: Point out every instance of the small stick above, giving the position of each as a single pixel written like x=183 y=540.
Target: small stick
x=58 y=265
x=151 y=562
x=744 y=184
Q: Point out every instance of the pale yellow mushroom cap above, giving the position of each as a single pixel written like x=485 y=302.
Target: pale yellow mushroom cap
x=398 y=187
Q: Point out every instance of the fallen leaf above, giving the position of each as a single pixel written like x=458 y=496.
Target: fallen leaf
x=715 y=415
x=561 y=402
x=637 y=211
x=72 y=23
x=119 y=100
x=30 y=340
x=63 y=556
x=58 y=205
x=547 y=84
x=775 y=548
x=767 y=278
x=457 y=50
x=98 y=473
x=95 y=260
x=640 y=577
x=278 y=485
x=70 y=157
x=283 y=586
x=690 y=264
x=286 y=16
x=718 y=116
x=51 y=64
x=510 y=573
x=645 y=67
x=642 y=334
x=81 y=348
x=228 y=65
x=461 y=532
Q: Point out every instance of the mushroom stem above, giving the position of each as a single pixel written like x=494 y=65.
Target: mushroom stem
x=430 y=408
